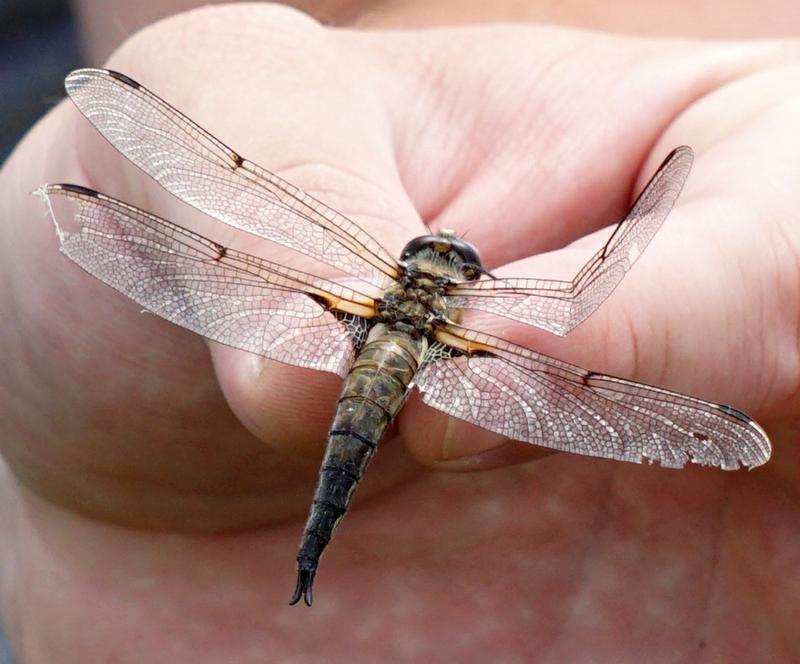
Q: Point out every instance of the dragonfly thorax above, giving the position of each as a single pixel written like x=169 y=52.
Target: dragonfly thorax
x=415 y=303
x=430 y=264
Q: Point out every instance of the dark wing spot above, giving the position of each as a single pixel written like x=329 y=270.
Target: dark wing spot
x=699 y=436
x=77 y=189
x=127 y=80
x=221 y=252
x=237 y=160
x=738 y=414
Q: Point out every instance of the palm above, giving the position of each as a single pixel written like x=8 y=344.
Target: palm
x=566 y=555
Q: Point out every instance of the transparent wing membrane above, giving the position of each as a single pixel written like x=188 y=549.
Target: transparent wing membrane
x=559 y=306
x=527 y=396
x=225 y=295
x=207 y=174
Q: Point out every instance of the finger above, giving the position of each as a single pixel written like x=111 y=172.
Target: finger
x=77 y=370
x=528 y=134
x=336 y=147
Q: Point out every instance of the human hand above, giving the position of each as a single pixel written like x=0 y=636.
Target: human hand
x=525 y=138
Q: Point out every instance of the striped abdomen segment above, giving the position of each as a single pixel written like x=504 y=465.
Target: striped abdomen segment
x=373 y=392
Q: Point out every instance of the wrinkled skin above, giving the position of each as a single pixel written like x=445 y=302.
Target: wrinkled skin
x=154 y=492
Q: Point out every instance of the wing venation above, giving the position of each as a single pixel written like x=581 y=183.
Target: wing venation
x=225 y=295
x=531 y=397
x=207 y=174
x=559 y=306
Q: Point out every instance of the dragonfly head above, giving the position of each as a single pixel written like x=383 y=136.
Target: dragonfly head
x=443 y=255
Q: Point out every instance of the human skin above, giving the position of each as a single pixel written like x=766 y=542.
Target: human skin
x=104 y=30
x=154 y=492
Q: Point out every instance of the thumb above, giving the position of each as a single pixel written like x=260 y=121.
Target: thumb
x=339 y=150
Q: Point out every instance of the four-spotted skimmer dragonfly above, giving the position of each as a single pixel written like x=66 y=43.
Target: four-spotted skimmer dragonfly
x=390 y=323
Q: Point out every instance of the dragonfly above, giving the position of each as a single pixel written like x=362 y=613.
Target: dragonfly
x=385 y=324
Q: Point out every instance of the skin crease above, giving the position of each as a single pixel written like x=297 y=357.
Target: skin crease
x=154 y=496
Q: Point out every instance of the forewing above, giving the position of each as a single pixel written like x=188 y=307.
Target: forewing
x=204 y=172
x=530 y=397
x=559 y=306
x=228 y=296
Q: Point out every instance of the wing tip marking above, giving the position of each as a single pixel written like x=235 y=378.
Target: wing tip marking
x=122 y=78
x=72 y=189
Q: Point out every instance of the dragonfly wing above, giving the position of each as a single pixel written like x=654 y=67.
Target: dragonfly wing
x=204 y=172
x=534 y=398
x=225 y=295
x=559 y=306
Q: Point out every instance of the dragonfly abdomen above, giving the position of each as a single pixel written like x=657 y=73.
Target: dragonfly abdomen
x=374 y=391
